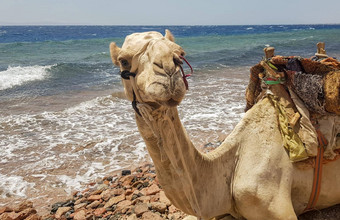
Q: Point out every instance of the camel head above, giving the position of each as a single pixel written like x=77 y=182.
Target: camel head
x=155 y=59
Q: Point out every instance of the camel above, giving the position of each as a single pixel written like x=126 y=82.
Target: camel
x=249 y=176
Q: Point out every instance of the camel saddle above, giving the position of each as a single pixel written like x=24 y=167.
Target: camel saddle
x=306 y=95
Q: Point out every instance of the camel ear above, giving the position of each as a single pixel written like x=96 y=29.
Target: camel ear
x=169 y=36
x=114 y=51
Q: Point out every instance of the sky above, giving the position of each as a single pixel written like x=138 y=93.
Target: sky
x=173 y=12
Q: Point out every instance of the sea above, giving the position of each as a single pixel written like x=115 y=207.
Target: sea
x=64 y=120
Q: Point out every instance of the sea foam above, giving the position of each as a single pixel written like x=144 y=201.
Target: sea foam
x=13 y=186
x=15 y=76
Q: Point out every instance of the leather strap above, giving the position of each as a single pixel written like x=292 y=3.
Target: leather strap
x=317 y=171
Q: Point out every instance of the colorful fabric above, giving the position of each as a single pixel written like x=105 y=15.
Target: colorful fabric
x=291 y=140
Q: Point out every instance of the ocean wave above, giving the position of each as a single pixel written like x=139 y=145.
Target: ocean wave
x=16 y=76
x=2 y=32
x=13 y=186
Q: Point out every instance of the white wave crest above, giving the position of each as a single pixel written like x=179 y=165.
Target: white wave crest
x=13 y=186
x=15 y=76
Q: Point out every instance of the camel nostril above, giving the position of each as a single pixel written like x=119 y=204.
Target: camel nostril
x=170 y=70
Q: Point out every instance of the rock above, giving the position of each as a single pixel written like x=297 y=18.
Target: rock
x=24 y=205
x=99 y=211
x=102 y=187
x=106 y=182
x=150 y=176
x=86 y=190
x=126 y=172
x=114 y=200
x=158 y=206
x=149 y=215
x=172 y=209
x=5 y=209
x=80 y=215
x=93 y=205
x=142 y=199
x=96 y=192
x=56 y=206
x=27 y=212
x=141 y=208
x=61 y=211
x=129 y=197
x=33 y=217
x=128 y=192
x=152 y=190
x=116 y=216
x=154 y=198
x=68 y=203
x=108 y=178
x=145 y=169
x=79 y=206
x=108 y=213
x=81 y=200
x=126 y=209
x=126 y=180
x=145 y=184
x=89 y=216
x=107 y=194
x=144 y=191
x=164 y=199
x=10 y=216
x=94 y=198
x=178 y=215
x=92 y=184
x=132 y=217
x=118 y=191
x=122 y=205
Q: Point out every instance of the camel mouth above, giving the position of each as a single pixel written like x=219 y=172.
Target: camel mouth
x=171 y=103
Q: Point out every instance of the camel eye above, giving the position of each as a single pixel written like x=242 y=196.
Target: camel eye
x=124 y=62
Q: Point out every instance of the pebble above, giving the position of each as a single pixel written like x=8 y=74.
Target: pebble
x=93 y=205
x=94 y=198
x=114 y=200
x=132 y=195
x=99 y=211
x=126 y=172
x=81 y=215
x=123 y=204
x=141 y=208
x=61 y=211
x=79 y=206
x=152 y=190
x=164 y=199
x=24 y=205
x=151 y=215
x=158 y=206
x=5 y=209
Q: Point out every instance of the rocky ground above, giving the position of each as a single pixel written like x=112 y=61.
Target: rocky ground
x=131 y=195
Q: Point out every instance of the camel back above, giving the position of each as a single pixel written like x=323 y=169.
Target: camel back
x=311 y=87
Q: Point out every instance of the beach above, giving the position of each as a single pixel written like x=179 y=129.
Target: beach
x=66 y=167
x=64 y=120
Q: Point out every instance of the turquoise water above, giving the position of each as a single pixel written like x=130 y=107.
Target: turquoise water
x=64 y=121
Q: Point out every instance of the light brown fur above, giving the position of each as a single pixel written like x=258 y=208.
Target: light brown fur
x=249 y=176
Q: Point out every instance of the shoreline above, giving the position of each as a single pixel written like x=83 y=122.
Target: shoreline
x=55 y=150
x=128 y=194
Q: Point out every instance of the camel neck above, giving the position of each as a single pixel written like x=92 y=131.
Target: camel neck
x=186 y=174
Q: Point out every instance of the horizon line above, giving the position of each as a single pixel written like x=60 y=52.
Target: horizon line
x=155 y=25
